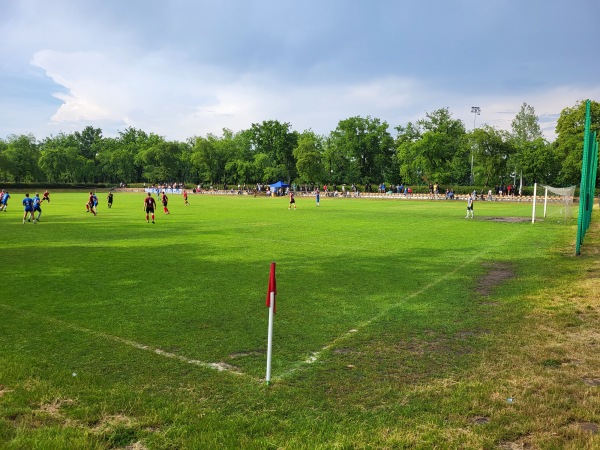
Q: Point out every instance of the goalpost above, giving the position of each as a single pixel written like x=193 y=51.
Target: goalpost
x=558 y=204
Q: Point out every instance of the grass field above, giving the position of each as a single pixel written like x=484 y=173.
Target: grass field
x=400 y=324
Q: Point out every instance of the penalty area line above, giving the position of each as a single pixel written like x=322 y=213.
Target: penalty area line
x=219 y=366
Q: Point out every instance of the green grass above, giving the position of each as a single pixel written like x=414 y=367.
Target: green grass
x=381 y=340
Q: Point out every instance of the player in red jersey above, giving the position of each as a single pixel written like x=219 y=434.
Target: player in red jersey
x=90 y=206
x=185 y=194
x=46 y=196
x=149 y=205
x=165 y=202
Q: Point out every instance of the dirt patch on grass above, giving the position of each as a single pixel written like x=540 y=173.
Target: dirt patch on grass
x=53 y=409
x=113 y=421
x=592 y=381
x=508 y=219
x=480 y=420
x=496 y=275
x=589 y=427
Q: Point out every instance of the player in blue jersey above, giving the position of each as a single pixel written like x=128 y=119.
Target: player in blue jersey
x=28 y=206
x=37 y=206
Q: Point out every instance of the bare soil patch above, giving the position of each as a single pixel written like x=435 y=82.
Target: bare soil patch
x=508 y=219
x=496 y=275
x=589 y=427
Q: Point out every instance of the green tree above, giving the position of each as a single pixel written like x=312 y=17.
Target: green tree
x=525 y=125
x=58 y=158
x=235 y=149
x=117 y=162
x=492 y=150
x=433 y=150
x=569 y=141
x=207 y=159
x=309 y=158
x=161 y=161
x=368 y=148
x=538 y=162
x=21 y=158
x=408 y=164
x=3 y=160
x=276 y=140
x=525 y=131
x=132 y=142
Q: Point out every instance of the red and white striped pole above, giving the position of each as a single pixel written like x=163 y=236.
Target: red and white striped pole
x=271 y=305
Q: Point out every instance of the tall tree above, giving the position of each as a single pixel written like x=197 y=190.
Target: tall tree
x=278 y=141
x=367 y=146
x=435 y=151
x=569 y=141
x=59 y=158
x=525 y=131
x=409 y=167
x=208 y=160
x=309 y=157
x=525 y=125
x=21 y=156
x=492 y=151
x=3 y=160
x=538 y=162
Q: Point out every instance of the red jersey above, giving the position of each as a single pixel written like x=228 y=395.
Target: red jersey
x=149 y=202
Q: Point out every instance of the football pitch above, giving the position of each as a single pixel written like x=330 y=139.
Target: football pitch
x=399 y=324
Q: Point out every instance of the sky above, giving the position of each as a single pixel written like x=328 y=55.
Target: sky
x=182 y=68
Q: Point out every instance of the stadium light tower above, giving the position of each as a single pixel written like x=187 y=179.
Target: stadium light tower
x=476 y=110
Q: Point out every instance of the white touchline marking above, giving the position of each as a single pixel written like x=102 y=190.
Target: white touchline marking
x=220 y=366
x=315 y=356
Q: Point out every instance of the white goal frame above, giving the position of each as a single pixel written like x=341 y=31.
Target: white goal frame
x=567 y=199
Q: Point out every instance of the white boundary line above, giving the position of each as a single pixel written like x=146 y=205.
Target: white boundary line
x=220 y=366
x=315 y=356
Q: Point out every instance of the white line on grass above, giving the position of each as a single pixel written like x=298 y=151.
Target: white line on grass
x=220 y=366
x=315 y=356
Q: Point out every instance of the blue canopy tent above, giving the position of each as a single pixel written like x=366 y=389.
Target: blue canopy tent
x=279 y=184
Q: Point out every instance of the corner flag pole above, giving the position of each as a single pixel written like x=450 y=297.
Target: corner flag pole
x=271 y=305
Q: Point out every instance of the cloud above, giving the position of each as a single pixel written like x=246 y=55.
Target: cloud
x=191 y=68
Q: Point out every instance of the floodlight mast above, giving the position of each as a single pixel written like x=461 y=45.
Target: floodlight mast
x=476 y=110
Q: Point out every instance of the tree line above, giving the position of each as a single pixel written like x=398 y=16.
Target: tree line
x=361 y=151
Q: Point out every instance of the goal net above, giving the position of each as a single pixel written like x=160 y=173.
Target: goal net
x=553 y=204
